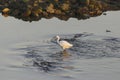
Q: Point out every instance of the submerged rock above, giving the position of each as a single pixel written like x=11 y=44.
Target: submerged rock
x=34 y=10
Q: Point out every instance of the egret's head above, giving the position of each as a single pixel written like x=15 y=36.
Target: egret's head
x=57 y=37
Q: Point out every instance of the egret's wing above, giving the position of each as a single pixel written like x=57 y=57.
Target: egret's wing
x=65 y=43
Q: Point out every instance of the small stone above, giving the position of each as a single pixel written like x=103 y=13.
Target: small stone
x=50 y=8
x=65 y=6
x=5 y=10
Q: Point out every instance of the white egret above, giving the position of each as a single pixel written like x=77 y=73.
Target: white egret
x=64 y=44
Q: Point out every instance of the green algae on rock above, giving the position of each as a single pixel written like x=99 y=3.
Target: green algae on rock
x=34 y=10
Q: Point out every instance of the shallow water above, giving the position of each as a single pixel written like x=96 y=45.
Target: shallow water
x=24 y=44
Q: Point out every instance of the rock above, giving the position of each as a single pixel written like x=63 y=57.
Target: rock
x=65 y=7
x=5 y=10
x=104 y=13
x=50 y=8
x=33 y=10
x=108 y=30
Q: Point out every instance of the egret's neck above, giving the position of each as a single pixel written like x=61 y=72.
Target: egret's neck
x=58 y=40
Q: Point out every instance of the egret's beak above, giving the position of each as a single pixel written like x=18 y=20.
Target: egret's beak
x=54 y=39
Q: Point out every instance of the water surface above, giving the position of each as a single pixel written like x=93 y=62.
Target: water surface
x=18 y=38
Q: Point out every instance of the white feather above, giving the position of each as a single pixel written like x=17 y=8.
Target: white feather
x=64 y=44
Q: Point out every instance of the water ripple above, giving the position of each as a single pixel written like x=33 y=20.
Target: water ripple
x=49 y=56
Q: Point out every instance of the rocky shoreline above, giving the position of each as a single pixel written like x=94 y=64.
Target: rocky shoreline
x=34 y=10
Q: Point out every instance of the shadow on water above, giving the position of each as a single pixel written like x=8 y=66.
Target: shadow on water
x=49 y=61
x=49 y=57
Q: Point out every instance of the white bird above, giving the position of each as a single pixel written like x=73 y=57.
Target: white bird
x=64 y=44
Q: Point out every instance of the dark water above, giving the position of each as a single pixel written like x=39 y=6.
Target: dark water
x=48 y=56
